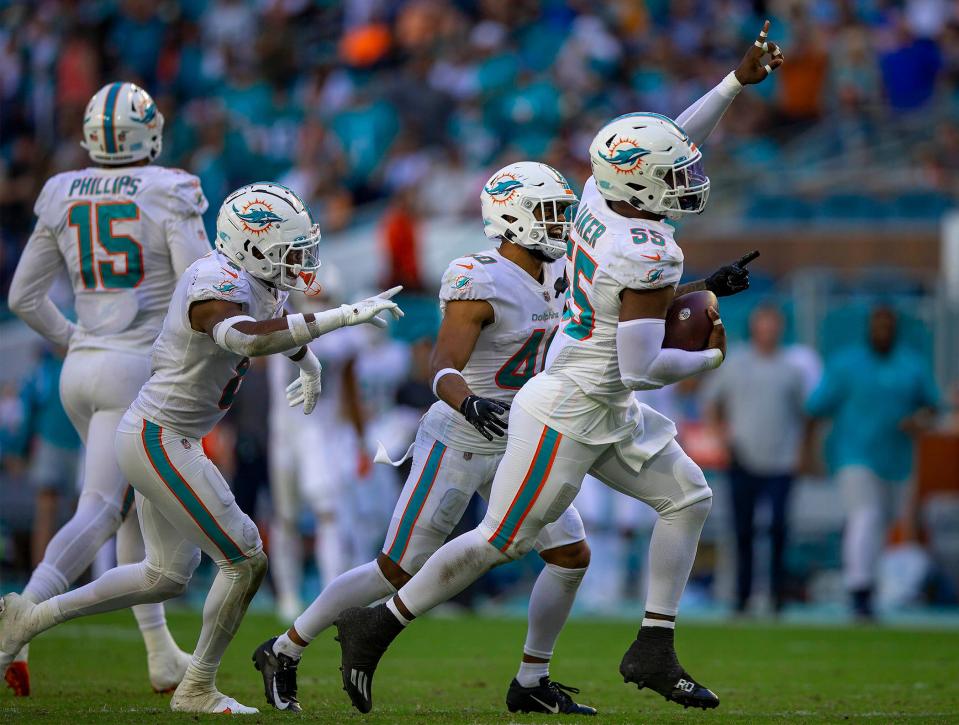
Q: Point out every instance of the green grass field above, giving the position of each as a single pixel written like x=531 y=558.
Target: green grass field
x=457 y=670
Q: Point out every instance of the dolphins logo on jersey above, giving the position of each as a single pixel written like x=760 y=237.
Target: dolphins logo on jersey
x=461 y=282
x=225 y=287
x=653 y=275
x=257 y=216
x=503 y=188
x=625 y=155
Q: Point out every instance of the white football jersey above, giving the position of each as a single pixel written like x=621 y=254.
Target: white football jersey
x=510 y=350
x=120 y=231
x=581 y=395
x=194 y=380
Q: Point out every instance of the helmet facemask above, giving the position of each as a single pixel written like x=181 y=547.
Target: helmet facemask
x=552 y=220
x=687 y=186
x=294 y=265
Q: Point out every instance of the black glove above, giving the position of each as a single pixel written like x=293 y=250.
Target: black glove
x=732 y=278
x=484 y=415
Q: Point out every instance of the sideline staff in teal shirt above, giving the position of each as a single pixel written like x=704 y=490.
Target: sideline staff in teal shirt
x=875 y=394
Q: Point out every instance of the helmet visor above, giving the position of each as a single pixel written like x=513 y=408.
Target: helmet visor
x=688 y=185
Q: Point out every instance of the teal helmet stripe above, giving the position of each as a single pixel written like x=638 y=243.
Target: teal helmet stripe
x=109 y=107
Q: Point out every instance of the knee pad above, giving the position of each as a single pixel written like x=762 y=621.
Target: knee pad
x=694 y=512
x=520 y=547
x=166 y=584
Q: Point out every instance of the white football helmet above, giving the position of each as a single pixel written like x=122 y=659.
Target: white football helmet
x=530 y=204
x=122 y=124
x=649 y=162
x=268 y=230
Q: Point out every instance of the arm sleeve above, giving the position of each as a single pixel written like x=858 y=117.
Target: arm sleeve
x=645 y=365
x=38 y=267
x=699 y=120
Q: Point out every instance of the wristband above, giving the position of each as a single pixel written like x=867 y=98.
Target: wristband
x=730 y=85
x=309 y=363
x=299 y=328
x=443 y=373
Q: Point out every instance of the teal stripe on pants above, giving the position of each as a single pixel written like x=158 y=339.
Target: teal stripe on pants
x=413 y=507
x=185 y=495
x=538 y=472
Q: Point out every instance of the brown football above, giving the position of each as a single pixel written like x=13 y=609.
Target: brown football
x=688 y=326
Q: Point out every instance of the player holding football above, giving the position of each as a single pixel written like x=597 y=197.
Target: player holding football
x=578 y=417
x=501 y=308
x=125 y=230
x=226 y=308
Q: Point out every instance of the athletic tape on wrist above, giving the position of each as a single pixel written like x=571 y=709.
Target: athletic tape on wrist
x=299 y=328
x=442 y=373
x=223 y=326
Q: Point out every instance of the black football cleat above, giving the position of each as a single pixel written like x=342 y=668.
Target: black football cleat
x=548 y=697
x=364 y=633
x=279 y=676
x=651 y=662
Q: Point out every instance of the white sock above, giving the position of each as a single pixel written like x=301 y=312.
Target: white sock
x=151 y=618
x=286 y=646
x=45 y=582
x=158 y=639
x=672 y=550
x=73 y=547
x=861 y=546
x=664 y=623
x=400 y=617
x=230 y=595
x=355 y=588
x=549 y=605
x=453 y=567
x=530 y=673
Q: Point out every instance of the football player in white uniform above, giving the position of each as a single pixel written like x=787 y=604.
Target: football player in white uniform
x=501 y=309
x=125 y=230
x=226 y=308
x=579 y=416
x=313 y=459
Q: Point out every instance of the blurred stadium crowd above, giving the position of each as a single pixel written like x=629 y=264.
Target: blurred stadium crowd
x=371 y=105
x=363 y=100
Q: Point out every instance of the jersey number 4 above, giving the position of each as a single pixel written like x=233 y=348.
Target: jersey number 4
x=84 y=216
x=518 y=370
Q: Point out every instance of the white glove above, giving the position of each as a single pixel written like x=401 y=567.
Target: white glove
x=305 y=389
x=368 y=309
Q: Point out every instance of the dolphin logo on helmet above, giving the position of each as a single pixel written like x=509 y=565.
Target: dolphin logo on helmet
x=257 y=218
x=625 y=157
x=503 y=189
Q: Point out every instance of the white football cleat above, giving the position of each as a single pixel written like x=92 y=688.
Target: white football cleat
x=15 y=614
x=207 y=701
x=166 y=672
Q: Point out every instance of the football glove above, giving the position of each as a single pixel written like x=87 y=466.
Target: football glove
x=368 y=309
x=484 y=415
x=304 y=390
x=731 y=278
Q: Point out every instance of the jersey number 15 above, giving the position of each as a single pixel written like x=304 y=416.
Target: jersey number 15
x=89 y=218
